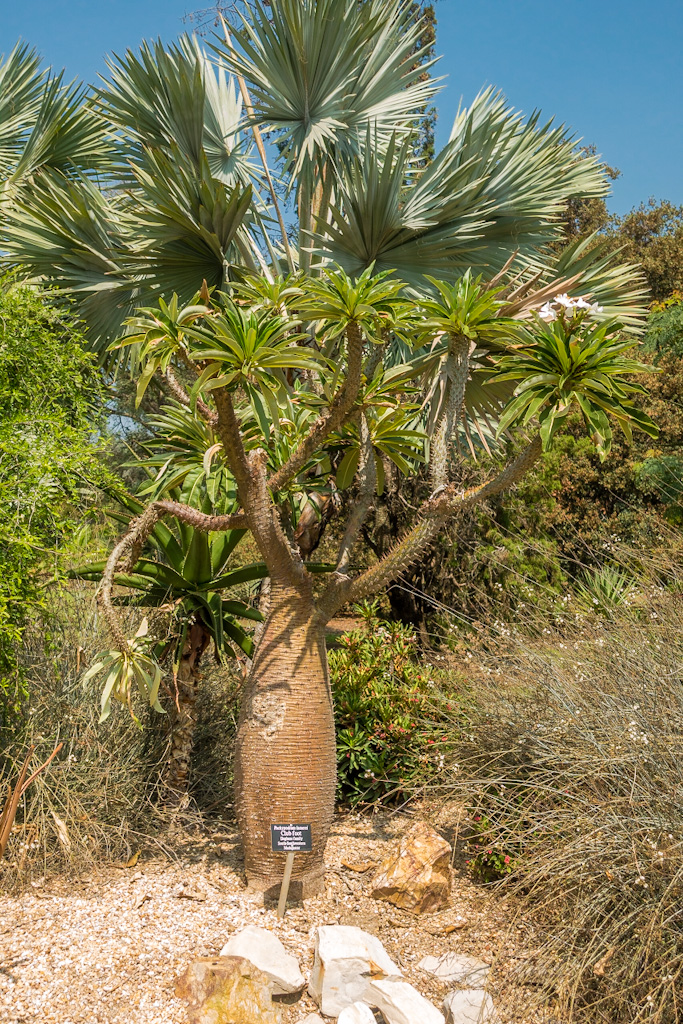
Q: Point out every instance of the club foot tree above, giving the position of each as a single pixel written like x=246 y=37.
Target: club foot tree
x=238 y=347
x=446 y=320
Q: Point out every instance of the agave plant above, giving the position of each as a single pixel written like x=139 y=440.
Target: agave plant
x=317 y=353
x=190 y=580
x=605 y=589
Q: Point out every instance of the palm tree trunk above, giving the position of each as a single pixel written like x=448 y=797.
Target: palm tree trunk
x=184 y=716
x=285 y=763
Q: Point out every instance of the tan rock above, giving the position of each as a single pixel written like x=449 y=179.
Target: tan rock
x=416 y=875
x=227 y=990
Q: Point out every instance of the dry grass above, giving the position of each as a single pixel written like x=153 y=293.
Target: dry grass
x=95 y=798
x=572 y=763
x=98 y=801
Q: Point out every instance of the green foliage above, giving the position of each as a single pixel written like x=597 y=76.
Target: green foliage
x=191 y=579
x=51 y=402
x=518 y=558
x=344 y=89
x=44 y=126
x=125 y=669
x=238 y=347
x=489 y=861
x=664 y=333
x=652 y=235
x=662 y=478
x=392 y=436
x=569 y=361
x=370 y=300
x=172 y=207
x=295 y=55
x=603 y=590
x=383 y=700
x=465 y=309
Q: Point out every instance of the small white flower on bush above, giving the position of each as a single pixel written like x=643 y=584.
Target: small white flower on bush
x=549 y=310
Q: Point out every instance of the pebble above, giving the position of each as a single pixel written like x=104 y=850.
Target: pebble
x=78 y=951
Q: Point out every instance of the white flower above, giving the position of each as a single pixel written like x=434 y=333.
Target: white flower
x=549 y=310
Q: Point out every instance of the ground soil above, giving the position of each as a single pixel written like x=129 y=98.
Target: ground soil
x=107 y=948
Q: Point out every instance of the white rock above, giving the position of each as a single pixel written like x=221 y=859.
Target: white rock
x=346 y=958
x=313 y=1018
x=401 y=1003
x=454 y=968
x=470 y=1006
x=359 y=1013
x=265 y=951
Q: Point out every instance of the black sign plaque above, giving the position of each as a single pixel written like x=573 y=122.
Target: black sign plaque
x=291 y=838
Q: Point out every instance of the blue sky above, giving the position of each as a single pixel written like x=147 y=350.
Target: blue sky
x=612 y=69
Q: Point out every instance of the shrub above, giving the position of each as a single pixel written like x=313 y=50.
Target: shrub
x=100 y=798
x=51 y=401
x=574 y=771
x=387 y=735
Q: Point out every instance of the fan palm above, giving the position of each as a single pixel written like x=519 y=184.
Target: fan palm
x=309 y=342
x=47 y=128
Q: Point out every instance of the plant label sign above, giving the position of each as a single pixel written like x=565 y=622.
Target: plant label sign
x=291 y=838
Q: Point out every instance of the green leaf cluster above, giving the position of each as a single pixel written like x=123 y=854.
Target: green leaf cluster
x=574 y=361
x=123 y=669
x=387 y=733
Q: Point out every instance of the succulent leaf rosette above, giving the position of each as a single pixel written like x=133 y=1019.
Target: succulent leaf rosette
x=571 y=357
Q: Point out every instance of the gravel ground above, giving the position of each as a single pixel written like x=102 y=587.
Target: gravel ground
x=107 y=948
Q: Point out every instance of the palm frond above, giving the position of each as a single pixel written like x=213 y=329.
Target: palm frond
x=188 y=225
x=21 y=85
x=322 y=71
x=70 y=234
x=172 y=99
x=498 y=186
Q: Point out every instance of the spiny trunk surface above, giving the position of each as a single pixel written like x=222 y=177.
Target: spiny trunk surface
x=285 y=761
x=184 y=716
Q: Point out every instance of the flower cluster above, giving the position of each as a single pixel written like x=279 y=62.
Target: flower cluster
x=564 y=304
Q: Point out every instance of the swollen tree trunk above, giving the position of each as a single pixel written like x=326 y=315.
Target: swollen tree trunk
x=184 y=716
x=285 y=763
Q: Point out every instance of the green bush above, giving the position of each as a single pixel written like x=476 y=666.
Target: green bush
x=388 y=738
x=51 y=401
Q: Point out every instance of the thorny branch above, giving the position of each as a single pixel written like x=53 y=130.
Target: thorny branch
x=434 y=513
x=181 y=395
x=367 y=481
x=457 y=371
x=130 y=545
x=332 y=418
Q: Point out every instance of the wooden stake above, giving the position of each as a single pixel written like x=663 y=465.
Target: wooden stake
x=289 y=863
